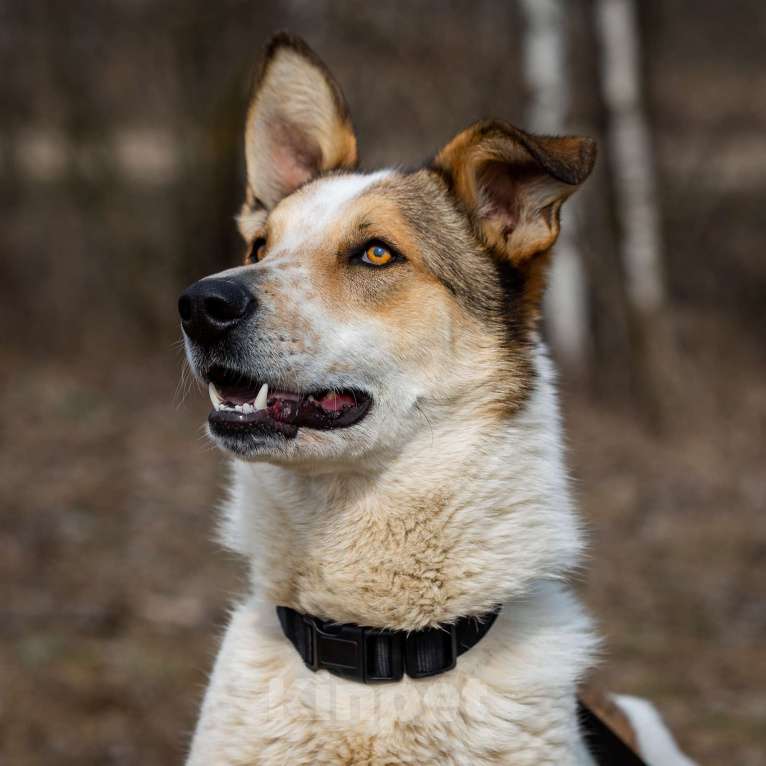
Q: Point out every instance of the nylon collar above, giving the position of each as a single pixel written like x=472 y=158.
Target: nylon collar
x=374 y=655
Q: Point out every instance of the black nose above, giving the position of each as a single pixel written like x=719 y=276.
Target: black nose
x=210 y=307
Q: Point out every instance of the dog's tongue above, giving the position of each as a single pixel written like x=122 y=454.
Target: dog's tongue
x=284 y=405
x=334 y=402
x=287 y=407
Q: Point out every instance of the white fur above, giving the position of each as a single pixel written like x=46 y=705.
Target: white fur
x=655 y=741
x=319 y=207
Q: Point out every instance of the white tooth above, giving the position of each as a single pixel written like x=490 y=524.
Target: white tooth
x=262 y=398
x=215 y=397
x=247 y=408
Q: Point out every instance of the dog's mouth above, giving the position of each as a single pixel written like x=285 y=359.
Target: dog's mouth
x=242 y=405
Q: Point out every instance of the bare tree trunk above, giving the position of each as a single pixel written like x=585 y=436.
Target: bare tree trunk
x=635 y=188
x=632 y=151
x=545 y=70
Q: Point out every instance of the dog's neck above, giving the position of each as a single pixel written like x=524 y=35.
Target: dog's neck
x=464 y=518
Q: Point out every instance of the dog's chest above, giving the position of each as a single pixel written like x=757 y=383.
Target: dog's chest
x=391 y=558
x=264 y=707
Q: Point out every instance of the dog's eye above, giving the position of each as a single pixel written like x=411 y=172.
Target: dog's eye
x=258 y=250
x=377 y=255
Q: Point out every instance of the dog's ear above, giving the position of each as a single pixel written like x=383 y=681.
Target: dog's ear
x=513 y=184
x=297 y=123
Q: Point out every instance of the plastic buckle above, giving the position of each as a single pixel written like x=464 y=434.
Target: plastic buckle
x=448 y=646
x=353 y=652
x=337 y=648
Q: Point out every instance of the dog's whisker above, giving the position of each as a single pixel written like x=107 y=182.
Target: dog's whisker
x=184 y=386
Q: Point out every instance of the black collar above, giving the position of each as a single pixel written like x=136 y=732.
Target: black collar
x=373 y=655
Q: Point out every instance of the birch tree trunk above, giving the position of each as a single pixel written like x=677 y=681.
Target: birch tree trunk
x=632 y=152
x=636 y=202
x=546 y=73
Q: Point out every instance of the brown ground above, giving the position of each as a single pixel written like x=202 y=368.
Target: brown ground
x=113 y=593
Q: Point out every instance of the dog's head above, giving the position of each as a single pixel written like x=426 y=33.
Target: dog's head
x=373 y=305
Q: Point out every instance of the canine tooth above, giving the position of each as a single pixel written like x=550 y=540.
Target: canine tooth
x=262 y=398
x=214 y=396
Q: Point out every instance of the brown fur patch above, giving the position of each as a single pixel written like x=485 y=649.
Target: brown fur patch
x=511 y=183
x=448 y=271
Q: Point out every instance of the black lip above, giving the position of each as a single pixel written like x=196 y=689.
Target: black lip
x=227 y=423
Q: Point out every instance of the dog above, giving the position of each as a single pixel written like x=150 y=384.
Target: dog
x=398 y=486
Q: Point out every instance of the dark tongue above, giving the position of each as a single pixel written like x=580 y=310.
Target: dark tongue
x=292 y=409
x=336 y=402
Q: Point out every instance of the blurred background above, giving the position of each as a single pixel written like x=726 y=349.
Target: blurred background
x=120 y=173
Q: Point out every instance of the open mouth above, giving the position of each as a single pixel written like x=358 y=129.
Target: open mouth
x=242 y=405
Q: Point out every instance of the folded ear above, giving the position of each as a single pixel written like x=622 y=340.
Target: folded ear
x=513 y=184
x=297 y=123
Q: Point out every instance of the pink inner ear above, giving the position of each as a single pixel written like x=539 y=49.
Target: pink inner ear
x=500 y=194
x=295 y=158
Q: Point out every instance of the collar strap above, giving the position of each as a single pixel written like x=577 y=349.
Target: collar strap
x=372 y=655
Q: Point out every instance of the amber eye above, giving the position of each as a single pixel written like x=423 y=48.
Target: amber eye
x=258 y=250
x=377 y=255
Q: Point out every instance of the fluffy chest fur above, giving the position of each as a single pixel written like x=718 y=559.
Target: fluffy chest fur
x=462 y=525
x=465 y=518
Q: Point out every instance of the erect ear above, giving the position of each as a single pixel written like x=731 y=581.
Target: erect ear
x=512 y=183
x=297 y=123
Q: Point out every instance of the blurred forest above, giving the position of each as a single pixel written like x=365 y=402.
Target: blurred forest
x=120 y=173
